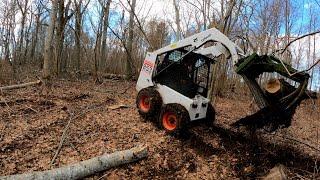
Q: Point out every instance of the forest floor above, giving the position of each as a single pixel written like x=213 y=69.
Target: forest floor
x=104 y=119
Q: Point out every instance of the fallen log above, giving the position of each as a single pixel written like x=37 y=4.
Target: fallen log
x=113 y=76
x=18 y=86
x=88 y=167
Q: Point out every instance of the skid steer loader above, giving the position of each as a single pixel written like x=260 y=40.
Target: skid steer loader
x=174 y=81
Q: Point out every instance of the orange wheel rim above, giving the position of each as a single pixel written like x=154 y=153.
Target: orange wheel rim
x=169 y=121
x=144 y=103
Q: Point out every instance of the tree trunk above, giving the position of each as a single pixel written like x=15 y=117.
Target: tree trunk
x=177 y=13
x=59 y=38
x=130 y=42
x=96 y=53
x=47 y=64
x=103 y=53
x=23 y=10
x=35 y=39
x=78 y=29
x=63 y=18
x=85 y=168
x=221 y=68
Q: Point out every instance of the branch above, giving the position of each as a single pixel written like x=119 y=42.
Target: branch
x=124 y=45
x=139 y=24
x=310 y=34
x=62 y=139
x=298 y=72
x=297 y=141
x=88 y=167
x=65 y=130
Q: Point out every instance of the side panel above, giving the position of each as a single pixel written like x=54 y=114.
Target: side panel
x=145 y=76
x=171 y=96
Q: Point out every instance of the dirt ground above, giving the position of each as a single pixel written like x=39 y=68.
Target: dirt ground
x=33 y=120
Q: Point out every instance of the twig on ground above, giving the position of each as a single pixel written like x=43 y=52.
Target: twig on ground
x=103 y=176
x=301 y=177
x=296 y=140
x=6 y=104
x=112 y=91
x=126 y=90
x=117 y=106
x=29 y=107
x=64 y=134
x=72 y=145
x=105 y=91
x=62 y=139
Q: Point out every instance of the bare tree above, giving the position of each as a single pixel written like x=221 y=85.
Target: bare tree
x=62 y=20
x=130 y=41
x=105 y=14
x=177 y=18
x=80 y=8
x=48 y=62
x=22 y=5
x=36 y=31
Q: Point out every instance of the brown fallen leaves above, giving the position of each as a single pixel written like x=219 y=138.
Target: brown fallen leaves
x=30 y=137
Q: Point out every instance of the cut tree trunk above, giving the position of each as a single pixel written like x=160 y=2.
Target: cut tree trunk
x=88 y=167
x=278 y=88
x=17 y=86
x=273 y=86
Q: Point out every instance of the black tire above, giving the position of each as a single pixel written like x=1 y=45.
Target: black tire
x=174 y=118
x=210 y=115
x=154 y=103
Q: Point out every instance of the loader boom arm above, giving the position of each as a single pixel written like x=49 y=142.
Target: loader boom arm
x=222 y=45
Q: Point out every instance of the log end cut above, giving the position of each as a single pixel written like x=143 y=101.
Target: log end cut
x=273 y=86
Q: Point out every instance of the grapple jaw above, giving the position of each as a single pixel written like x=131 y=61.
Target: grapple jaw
x=276 y=109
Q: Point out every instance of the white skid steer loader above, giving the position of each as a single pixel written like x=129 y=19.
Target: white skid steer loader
x=174 y=81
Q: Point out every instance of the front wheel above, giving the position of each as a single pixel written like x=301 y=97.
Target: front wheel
x=149 y=103
x=174 y=118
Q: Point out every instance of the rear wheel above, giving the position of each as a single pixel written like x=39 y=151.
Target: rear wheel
x=174 y=118
x=149 y=103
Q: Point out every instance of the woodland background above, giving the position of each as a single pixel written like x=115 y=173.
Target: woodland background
x=79 y=38
x=89 y=53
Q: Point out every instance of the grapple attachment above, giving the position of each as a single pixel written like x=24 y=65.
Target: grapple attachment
x=277 y=106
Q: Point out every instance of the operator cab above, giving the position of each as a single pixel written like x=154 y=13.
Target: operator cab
x=185 y=72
